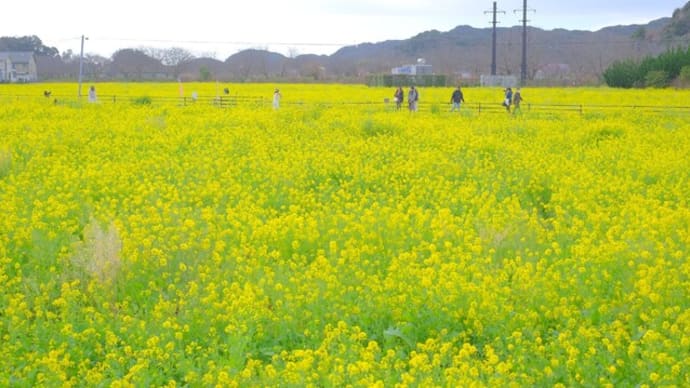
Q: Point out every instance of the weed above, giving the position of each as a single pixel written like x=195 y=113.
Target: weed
x=98 y=253
x=5 y=163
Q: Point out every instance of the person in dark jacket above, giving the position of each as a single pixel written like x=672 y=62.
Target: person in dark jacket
x=508 y=100
x=399 y=97
x=456 y=99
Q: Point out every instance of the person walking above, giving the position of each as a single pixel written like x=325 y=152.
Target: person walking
x=456 y=99
x=508 y=100
x=276 y=99
x=413 y=99
x=399 y=97
x=92 y=94
x=517 y=99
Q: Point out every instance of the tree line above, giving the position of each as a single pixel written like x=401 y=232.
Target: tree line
x=27 y=43
x=673 y=66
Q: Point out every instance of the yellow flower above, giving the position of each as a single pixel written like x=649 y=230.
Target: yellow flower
x=654 y=377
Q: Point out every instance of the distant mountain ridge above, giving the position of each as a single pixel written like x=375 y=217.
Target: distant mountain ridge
x=465 y=51
x=680 y=23
x=556 y=56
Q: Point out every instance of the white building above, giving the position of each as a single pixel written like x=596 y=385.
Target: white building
x=18 y=66
x=420 y=68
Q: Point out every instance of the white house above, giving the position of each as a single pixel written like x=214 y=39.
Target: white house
x=18 y=66
x=421 y=68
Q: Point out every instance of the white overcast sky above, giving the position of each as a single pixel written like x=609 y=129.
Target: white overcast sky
x=306 y=26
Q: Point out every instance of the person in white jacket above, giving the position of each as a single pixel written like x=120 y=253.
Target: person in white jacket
x=276 y=99
x=92 y=94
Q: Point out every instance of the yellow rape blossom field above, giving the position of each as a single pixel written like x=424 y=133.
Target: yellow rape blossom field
x=338 y=243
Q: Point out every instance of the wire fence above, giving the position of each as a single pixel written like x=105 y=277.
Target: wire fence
x=219 y=101
x=259 y=102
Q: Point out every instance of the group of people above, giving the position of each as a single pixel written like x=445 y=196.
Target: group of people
x=456 y=99
x=513 y=99
x=412 y=98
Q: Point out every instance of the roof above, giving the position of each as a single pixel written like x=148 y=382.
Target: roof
x=17 y=56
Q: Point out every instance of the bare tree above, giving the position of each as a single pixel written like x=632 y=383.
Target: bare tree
x=135 y=64
x=69 y=56
x=153 y=52
x=95 y=65
x=175 y=56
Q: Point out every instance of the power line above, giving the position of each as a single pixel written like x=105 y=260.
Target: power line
x=233 y=43
x=523 y=68
x=599 y=42
x=493 y=45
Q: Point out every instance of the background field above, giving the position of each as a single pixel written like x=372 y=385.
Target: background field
x=342 y=244
x=317 y=93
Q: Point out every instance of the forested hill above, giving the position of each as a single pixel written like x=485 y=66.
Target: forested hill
x=467 y=50
x=679 y=26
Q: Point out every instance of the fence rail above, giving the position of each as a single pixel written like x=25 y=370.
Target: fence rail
x=227 y=101
x=221 y=101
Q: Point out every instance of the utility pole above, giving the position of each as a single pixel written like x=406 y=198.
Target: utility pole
x=523 y=68
x=81 y=63
x=493 y=45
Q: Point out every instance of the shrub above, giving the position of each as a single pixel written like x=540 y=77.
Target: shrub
x=144 y=100
x=204 y=74
x=657 y=79
x=622 y=74
x=684 y=77
x=372 y=127
x=651 y=71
